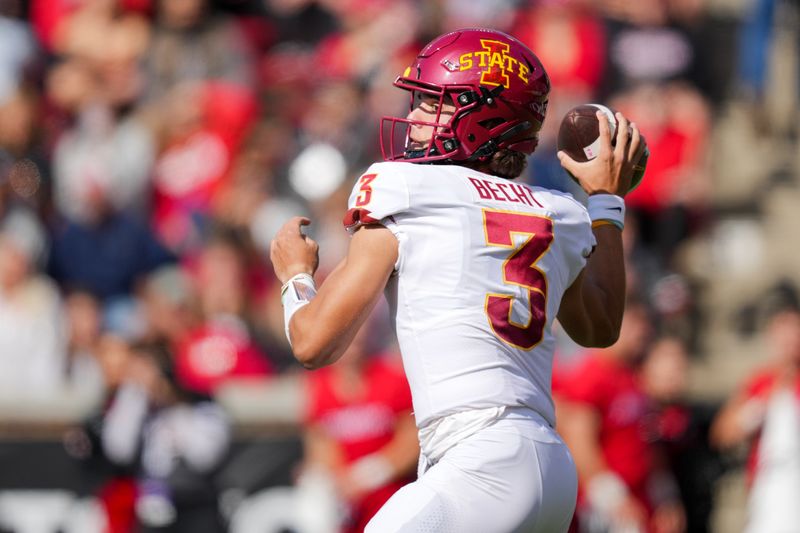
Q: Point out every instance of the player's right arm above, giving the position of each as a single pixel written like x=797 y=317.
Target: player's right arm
x=322 y=330
x=592 y=307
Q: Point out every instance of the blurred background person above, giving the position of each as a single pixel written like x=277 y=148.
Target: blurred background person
x=170 y=305
x=624 y=481
x=24 y=166
x=764 y=416
x=673 y=203
x=106 y=253
x=568 y=37
x=173 y=437
x=100 y=140
x=359 y=431
x=20 y=49
x=33 y=332
x=192 y=42
x=84 y=317
x=679 y=426
x=114 y=481
x=200 y=127
x=221 y=346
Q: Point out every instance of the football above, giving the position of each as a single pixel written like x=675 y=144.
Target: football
x=579 y=136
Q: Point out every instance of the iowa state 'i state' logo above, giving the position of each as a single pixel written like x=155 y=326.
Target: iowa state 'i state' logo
x=496 y=63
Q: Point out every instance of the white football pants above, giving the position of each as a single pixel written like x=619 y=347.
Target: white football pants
x=514 y=475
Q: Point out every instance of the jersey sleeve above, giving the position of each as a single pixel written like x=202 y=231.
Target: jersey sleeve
x=379 y=194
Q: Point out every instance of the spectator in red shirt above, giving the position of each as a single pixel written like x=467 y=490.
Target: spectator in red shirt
x=603 y=421
x=680 y=428
x=360 y=430
x=569 y=39
x=221 y=348
x=672 y=203
x=201 y=126
x=220 y=352
x=765 y=414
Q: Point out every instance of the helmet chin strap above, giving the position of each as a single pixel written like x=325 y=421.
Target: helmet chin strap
x=486 y=150
x=416 y=154
x=491 y=146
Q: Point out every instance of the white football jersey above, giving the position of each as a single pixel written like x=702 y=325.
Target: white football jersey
x=483 y=263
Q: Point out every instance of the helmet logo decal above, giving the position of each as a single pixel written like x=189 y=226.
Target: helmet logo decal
x=449 y=65
x=496 y=63
x=539 y=107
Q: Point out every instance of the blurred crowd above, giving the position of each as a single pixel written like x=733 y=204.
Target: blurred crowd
x=149 y=150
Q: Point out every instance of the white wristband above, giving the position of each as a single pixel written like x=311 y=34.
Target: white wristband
x=606 y=491
x=606 y=208
x=296 y=293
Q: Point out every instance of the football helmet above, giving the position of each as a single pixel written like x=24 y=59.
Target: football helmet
x=497 y=85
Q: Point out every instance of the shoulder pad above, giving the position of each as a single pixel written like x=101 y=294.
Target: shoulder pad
x=381 y=192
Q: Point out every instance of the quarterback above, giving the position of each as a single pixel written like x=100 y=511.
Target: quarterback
x=475 y=268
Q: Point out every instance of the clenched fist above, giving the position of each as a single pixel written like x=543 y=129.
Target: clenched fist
x=292 y=252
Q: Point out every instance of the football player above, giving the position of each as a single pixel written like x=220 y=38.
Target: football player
x=476 y=268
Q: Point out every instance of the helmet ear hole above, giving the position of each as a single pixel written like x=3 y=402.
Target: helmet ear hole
x=491 y=123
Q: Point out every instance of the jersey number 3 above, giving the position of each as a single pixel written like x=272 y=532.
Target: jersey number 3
x=519 y=269
x=365 y=190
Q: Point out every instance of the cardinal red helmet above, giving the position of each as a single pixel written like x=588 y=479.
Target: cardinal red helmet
x=498 y=86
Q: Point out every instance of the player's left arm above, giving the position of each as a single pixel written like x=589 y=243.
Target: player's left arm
x=592 y=307
x=321 y=330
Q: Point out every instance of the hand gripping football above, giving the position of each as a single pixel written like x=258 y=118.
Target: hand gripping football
x=579 y=137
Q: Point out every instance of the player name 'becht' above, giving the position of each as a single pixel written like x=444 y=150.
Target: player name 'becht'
x=514 y=193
